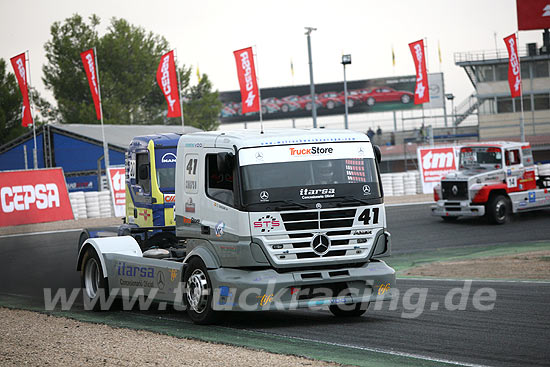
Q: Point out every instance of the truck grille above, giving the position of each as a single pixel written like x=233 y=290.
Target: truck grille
x=454 y=190
x=294 y=245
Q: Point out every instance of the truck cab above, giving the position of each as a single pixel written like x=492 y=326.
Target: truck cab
x=494 y=179
x=150 y=186
x=272 y=220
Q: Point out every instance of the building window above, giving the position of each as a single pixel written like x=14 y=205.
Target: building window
x=504 y=105
x=525 y=70
x=526 y=103
x=542 y=69
x=487 y=107
x=502 y=71
x=542 y=102
x=485 y=74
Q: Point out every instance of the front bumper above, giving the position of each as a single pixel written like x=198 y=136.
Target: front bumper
x=445 y=208
x=241 y=290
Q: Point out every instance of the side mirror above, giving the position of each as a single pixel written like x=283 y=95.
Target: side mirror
x=377 y=153
x=143 y=172
x=225 y=162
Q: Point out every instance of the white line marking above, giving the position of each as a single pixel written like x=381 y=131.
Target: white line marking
x=376 y=350
x=478 y=280
x=408 y=204
x=37 y=233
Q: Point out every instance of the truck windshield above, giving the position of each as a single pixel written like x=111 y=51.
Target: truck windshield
x=311 y=182
x=165 y=162
x=479 y=156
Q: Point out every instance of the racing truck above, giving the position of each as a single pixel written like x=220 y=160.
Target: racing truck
x=495 y=180
x=272 y=220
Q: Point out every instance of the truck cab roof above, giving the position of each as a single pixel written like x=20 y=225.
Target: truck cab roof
x=160 y=140
x=254 y=138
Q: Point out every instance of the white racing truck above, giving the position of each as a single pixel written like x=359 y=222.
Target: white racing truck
x=494 y=179
x=277 y=220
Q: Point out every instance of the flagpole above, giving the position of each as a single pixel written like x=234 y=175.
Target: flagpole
x=179 y=88
x=105 y=146
x=34 y=151
x=522 y=119
x=257 y=65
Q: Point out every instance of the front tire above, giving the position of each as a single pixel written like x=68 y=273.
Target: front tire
x=498 y=209
x=405 y=98
x=92 y=280
x=349 y=310
x=199 y=293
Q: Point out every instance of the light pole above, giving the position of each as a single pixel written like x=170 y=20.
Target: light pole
x=451 y=98
x=311 y=84
x=346 y=60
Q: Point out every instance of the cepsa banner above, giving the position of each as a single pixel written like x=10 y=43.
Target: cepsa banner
x=434 y=163
x=118 y=189
x=33 y=196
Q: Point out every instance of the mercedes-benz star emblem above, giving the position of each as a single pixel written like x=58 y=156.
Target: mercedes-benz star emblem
x=264 y=195
x=454 y=189
x=259 y=156
x=366 y=189
x=160 y=280
x=318 y=205
x=320 y=244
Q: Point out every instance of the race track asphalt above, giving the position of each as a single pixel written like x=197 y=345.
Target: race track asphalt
x=513 y=333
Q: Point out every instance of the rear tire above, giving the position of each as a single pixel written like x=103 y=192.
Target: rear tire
x=349 y=310
x=498 y=209
x=199 y=293
x=92 y=280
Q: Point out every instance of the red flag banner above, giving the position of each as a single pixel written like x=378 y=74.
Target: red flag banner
x=422 y=90
x=514 y=75
x=88 y=60
x=168 y=82
x=533 y=14
x=33 y=196
x=18 y=63
x=247 y=80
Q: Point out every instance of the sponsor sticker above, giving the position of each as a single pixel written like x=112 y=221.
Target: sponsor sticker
x=219 y=230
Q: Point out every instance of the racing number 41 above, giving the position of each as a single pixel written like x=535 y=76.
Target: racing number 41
x=192 y=166
x=366 y=216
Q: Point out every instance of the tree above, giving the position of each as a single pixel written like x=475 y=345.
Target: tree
x=128 y=59
x=202 y=106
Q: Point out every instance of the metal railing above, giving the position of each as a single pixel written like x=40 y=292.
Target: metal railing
x=486 y=55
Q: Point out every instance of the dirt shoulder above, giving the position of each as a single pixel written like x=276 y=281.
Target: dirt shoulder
x=527 y=265
x=34 y=339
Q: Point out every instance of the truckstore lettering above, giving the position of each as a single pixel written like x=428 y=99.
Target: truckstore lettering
x=311 y=151
x=20 y=198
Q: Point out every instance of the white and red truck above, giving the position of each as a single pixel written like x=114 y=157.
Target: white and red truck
x=493 y=179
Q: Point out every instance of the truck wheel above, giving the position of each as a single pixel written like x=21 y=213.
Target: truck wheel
x=349 y=310
x=83 y=237
x=498 y=209
x=92 y=280
x=198 y=293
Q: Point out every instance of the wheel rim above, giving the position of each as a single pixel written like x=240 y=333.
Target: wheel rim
x=500 y=210
x=370 y=101
x=405 y=99
x=91 y=278
x=197 y=291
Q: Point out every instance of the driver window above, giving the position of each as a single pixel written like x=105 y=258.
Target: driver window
x=219 y=185
x=512 y=157
x=143 y=178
